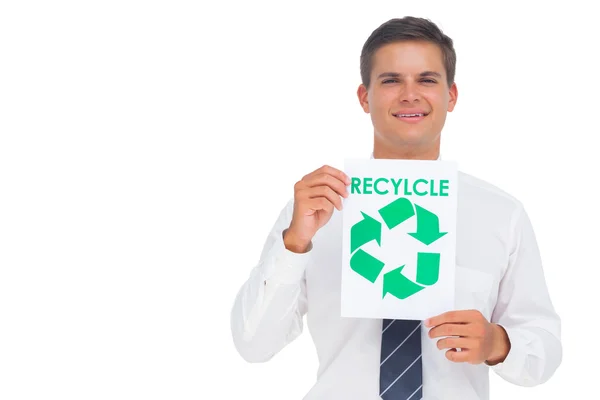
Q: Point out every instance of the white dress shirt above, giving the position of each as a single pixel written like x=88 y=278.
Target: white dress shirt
x=498 y=272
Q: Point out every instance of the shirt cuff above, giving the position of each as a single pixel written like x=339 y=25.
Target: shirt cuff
x=513 y=366
x=286 y=266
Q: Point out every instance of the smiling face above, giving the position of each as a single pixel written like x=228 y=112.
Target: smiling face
x=408 y=99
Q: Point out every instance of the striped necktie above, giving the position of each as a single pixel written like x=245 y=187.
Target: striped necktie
x=401 y=371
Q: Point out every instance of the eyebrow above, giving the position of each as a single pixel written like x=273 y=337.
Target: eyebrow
x=397 y=75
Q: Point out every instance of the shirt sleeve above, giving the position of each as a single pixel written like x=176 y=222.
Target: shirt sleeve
x=524 y=309
x=268 y=310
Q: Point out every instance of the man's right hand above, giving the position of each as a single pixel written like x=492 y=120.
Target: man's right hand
x=315 y=196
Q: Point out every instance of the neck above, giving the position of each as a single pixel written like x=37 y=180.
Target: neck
x=406 y=153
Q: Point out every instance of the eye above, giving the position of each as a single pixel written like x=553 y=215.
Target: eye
x=428 y=81
x=389 y=81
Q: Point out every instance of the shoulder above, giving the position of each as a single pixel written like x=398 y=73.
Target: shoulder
x=479 y=194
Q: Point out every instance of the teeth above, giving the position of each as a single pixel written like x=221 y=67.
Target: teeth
x=410 y=115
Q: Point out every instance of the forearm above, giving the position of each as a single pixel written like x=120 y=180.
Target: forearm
x=525 y=311
x=268 y=310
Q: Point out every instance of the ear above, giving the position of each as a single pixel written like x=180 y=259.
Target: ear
x=453 y=97
x=363 y=97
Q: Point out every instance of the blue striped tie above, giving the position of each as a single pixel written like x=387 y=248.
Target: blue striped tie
x=401 y=370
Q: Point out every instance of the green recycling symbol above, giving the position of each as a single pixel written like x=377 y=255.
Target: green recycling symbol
x=369 y=267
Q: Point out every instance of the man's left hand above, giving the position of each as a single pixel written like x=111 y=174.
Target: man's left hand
x=479 y=340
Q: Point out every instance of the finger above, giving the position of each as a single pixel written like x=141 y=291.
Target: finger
x=455 y=343
x=327 y=180
x=326 y=169
x=453 y=317
x=450 y=330
x=458 y=356
x=327 y=192
x=335 y=173
x=318 y=204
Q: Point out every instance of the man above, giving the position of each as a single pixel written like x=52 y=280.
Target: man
x=504 y=321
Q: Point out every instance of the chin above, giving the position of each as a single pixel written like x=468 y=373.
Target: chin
x=410 y=137
x=405 y=136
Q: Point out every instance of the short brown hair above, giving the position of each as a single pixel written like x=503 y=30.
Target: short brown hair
x=404 y=29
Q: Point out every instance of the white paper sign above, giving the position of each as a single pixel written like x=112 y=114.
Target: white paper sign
x=399 y=233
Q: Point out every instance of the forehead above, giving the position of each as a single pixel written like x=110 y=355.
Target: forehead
x=408 y=57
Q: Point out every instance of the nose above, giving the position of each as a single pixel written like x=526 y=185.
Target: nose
x=410 y=92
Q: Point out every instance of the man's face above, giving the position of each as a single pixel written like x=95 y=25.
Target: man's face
x=408 y=96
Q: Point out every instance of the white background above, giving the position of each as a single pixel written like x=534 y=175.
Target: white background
x=147 y=147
